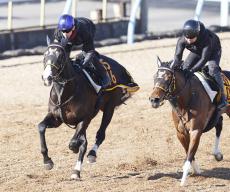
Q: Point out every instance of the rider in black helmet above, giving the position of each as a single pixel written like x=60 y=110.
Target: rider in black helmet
x=81 y=31
x=205 y=49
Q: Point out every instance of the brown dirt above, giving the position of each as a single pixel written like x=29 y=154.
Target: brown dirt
x=140 y=153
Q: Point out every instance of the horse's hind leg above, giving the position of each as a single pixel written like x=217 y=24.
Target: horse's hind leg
x=100 y=137
x=216 y=152
x=48 y=122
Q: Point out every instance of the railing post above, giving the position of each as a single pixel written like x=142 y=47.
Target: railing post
x=74 y=8
x=223 y=10
x=67 y=8
x=198 y=10
x=104 y=9
x=10 y=15
x=42 y=13
x=144 y=16
x=224 y=13
x=132 y=21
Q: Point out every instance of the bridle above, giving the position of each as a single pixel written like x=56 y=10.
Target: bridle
x=168 y=90
x=63 y=61
x=171 y=88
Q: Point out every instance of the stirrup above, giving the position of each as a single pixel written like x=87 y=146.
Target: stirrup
x=222 y=105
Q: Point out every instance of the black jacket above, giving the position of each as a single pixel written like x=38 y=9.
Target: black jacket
x=82 y=35
x=206 y=46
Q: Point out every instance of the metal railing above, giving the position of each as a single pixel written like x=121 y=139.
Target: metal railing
x=70 y=7
x=42 y=10
x=224 y=10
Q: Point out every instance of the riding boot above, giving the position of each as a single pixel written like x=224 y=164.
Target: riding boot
x=223 y=101
x=106 y=81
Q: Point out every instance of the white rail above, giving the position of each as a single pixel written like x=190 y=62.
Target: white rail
x=224 y=10
x=67 y=9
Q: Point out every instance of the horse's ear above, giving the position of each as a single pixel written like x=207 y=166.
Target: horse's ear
x=48 y=41
x=158 y=61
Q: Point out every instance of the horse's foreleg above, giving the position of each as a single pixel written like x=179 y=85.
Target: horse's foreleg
x=48 y=122
x=75 y=142
x=82 y=150
x=82 y=144
x=193 y=145
x=184 y=140
x=100 y=137
x=216 y=152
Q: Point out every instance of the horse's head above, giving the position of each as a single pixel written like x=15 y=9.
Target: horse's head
x=163 y=83
x=54 y=62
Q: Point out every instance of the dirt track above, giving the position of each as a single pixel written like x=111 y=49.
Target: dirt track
x=140 y=153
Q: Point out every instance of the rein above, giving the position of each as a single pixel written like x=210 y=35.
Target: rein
x=173 y=101
x=62 y=83
x=60 y=104
x=171 y=95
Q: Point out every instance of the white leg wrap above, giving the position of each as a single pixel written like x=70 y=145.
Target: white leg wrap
x=195 y=167
x=95 y=147
x=186 y=167
x=216 y=149
x=78 y=166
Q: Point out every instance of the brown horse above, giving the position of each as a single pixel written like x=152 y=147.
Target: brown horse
x=74 y=101
x=193 y=112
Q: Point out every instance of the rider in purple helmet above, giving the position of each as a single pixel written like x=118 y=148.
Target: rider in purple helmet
x=81 y=31
x=205 y=49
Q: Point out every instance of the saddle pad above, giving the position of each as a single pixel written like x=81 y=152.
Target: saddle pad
x=119 y=76
x=226 y=86
x=206 y=86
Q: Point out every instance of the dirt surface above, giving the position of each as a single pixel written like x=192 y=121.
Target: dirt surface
x=141 y=151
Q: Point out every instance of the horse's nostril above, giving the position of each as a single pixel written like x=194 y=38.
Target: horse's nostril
x=155 y=100
x=150 y=99
x=49 y=78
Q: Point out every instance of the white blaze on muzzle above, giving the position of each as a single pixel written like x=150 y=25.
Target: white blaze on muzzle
x=47 y=72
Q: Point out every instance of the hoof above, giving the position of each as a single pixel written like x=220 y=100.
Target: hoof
x=74 y=146
x=218 y=157
x=75 y=175
x=91 y=156
x=49 y=165
x=91 y=159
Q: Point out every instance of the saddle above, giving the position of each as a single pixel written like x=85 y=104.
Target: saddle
x=119 y=76
x=212 y=87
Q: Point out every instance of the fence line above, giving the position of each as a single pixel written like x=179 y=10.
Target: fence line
x=70 y=6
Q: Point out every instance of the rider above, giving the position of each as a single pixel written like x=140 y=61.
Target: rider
x=205 y=49
x=81 y=31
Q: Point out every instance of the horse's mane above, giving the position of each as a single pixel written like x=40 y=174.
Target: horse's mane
x=166 y=64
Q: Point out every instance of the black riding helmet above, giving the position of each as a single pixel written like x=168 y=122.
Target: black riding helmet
x=191 y=29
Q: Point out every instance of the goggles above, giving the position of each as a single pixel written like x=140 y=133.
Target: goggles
x=66 y=31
